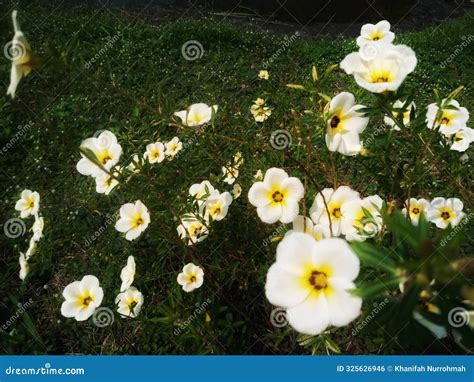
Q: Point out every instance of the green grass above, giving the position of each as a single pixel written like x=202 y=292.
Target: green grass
x=132 y=89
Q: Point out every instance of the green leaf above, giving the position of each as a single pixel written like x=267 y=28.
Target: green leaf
x=375 y=257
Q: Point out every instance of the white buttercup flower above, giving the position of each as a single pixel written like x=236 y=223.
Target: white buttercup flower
x=417 y=208
x=450 y=119
x=444 y=212
x=277 y=197
x=21 y=56
x=173 y=147
x=28 y=204
x=104 y=183
x=105 y=148
x=400 y=108
x=306 y=225
x=155 y=152
x=379 y=33
x=359 y=225
x=313 y=280
x=259 y=111
x=127 y=274
x=201 y=191
x=129 y=302
x=328 y=204
x=230 y=173
x=344 y=125
x=38 y=227
x=134 y=219
x=236 y=190
x=263 y=74
x=217 y=205
x=24 y=266
x=191 y=277
x=461 y=139
x=383 y=72
x=197 y=114
x=82 y=298
x=192 y=229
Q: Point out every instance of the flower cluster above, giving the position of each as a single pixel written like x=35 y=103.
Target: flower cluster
x=441 y=212
x=130 y=299
x=28 y=205
x=231 y=169
x=260 y=111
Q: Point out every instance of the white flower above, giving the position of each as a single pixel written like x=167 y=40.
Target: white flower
x=406 y=110
x=20 y=55
x=104 y=183
x=334 y=201
x=417 y=208
x=32 y=248
x=106 y=150
x=134 y=219
x=24 y=266
x=451 y=118
x=38 y=227
x=129 y=302
x=173 y=147
x=357 y=225
x=155 y=152
x=201 y=191
x=191 y=278
x=28 y=204
x=379 y=33
x=127 y=274
x=82 y=298
x=277 y=197
x=385 y=71
x=259 y=111
x=238 y=159
x=135 y=164
x=197 y=114
x=258 y=175
x=192 y=229
x=263 y=74
x=236 y=190
x=444 y=212
x=313 y=280
x=217 y=205
x=306 y=225
x=462 y=138
x=344 y=125
x=230 y=173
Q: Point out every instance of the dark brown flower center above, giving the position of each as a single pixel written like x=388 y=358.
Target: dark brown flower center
x=318 y=280
x=335 y=122
x=277 y=197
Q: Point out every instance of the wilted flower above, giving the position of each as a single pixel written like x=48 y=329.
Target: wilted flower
x=259 y=111
x=38 y=227
x=197 y=114
x=191 y=277
x=236 y=190
x=134 y=219
x=20 y=54
x=417 y=208
x=127 y=274
x=450 y=119
x=129 y=302
x=28 y=204
x=313 y=280
x=82 y=298
x=258 y=175
x=24 y=266
x=230 y=173
x=444 y=212
x=344 y=125
x=277 y=197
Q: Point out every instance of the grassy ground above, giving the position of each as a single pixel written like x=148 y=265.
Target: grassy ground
x=138 y=79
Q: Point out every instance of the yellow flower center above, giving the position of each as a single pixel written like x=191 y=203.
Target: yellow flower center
x=318 y=280
x=138 y=220
x=376 y=36
x=132 y=303
x=104 y=157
